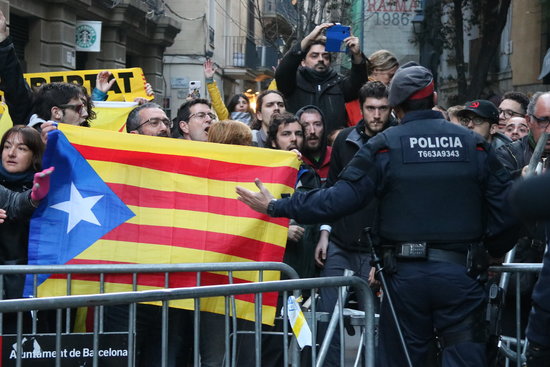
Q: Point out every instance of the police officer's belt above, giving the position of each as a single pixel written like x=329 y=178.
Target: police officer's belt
x=435 y=254
x=422 y=251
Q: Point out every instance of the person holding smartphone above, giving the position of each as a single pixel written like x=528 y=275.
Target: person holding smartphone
x=305 y=77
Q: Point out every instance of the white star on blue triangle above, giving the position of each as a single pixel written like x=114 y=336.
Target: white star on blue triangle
x=78 y=208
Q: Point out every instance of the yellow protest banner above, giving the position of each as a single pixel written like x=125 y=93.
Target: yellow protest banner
x=130 y=83
x=5 y=119
x=109 y=116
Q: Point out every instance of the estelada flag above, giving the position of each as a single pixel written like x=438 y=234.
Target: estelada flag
x=119 y=198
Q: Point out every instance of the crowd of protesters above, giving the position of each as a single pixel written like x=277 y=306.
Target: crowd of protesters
x=325 y=117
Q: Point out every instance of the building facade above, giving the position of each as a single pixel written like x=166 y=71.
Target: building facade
x=389 y=25
x=232 y=34
x=412 y=30
x=134 y=33
x=520 y=55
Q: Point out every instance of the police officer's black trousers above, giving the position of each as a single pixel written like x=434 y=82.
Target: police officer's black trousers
x=428 y=296
x=538 y=330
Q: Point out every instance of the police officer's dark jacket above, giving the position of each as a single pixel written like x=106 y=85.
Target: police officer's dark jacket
x=436 y=182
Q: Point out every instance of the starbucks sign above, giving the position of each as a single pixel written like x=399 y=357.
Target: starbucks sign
x=88 y=36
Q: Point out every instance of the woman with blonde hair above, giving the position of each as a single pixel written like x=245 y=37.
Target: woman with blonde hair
x=382 y=66
x=230 y=132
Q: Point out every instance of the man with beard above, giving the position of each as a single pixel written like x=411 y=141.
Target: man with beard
x=268 y=102
x=305 y=77
x=315 y=152
x=148 y=119
x=343 y=250
x=286 y=133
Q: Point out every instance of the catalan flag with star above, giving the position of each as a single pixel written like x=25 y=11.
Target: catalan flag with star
x=119 y=198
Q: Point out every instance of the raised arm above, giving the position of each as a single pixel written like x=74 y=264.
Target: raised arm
x=102 y=85
x=358 y=74
x=213 y=91
x=285 y=74
x=16 y=91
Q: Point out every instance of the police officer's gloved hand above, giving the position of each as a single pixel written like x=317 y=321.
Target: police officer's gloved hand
x=537 y=355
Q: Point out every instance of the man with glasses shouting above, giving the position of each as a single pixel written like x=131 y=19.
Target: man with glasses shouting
x=482 y=116
x=194 y=118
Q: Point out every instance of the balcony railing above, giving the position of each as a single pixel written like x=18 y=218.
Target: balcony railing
x=282 y=9
x=244 y=52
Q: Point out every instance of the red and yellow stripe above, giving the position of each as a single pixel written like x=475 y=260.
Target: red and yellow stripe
x=183 y=196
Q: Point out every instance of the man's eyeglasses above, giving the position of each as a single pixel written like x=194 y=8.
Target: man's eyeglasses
x=155 y=122
x=476 y=120
x=75 y=107
x=542 y=121
x=509 y=113
x=202 y=115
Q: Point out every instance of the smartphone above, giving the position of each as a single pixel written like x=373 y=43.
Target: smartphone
x=194 y=88
x=195 y=84
x=335 y=35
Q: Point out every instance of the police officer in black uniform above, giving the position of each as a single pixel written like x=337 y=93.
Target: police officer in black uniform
x=532 y=201
x=441 y=192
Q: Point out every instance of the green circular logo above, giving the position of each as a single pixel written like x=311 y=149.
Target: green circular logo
x=85 y=36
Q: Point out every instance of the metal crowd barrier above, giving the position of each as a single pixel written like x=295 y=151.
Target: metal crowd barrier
x=228 y=291
x=516 y=353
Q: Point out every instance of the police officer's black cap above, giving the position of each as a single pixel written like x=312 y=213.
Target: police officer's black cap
x=482 y=108
x=411 y=81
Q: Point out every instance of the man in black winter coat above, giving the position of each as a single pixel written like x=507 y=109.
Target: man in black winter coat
x=305 y=77
x=344 y=250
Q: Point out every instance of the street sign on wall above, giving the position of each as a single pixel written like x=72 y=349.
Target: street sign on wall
x=388 y=25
